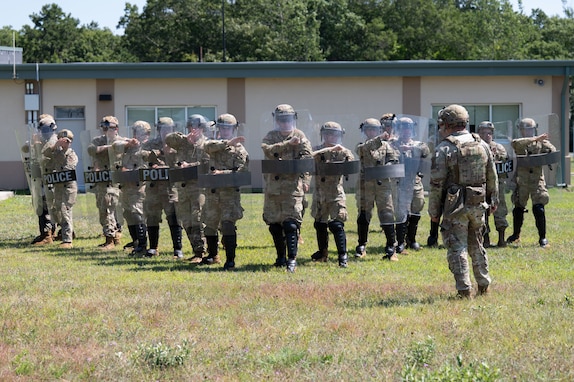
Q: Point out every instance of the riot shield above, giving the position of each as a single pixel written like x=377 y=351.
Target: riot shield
x=410 y=137
x=551 y=161
x=31 y=143
x=503 y=135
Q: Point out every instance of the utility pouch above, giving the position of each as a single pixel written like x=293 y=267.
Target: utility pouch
x=475 y=196
x=454 y=201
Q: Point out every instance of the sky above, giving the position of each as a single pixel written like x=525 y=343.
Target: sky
x=107 y=13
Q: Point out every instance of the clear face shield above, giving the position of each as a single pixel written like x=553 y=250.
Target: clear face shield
x=285 y=123
x=46 y=131
x=486 y=134
x=109 y=129
x=226 y=131
x=164 y=130
x=371 y=131
x=405 y=131
x=388 y=126
x=527 y=132
x=331 y=137
x=140 y=134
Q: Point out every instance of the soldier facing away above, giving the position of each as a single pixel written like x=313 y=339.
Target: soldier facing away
x=463 y=178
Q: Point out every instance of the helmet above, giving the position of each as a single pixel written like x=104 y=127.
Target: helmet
x=141 y=128
x=66 y=134
x=370 y=123
x=454 y=115
x=284 y=118
x=388 y=120
x=527 y=123
x=196 y=121
x=165 y=122
x=46 y=123
x=486 y=125
x=332 y=129
x=226 y=121
x=109 y=121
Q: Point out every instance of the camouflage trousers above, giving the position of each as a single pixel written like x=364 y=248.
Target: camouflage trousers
x=221 y=205
x=65 y=198
x=379 y=192
x=107 y=201
x=462 y=236
x=189 y=207
x=132 y=197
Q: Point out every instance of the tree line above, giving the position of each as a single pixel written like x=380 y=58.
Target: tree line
x=300 y=30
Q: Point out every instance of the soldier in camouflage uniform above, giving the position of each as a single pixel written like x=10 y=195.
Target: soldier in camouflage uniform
x=46 y=132
x=190 y=197
x=530 y=182
x=284 y=193
x=107 y=194
x=374 y=152
x=463 y=178
x=223 y=205
x=62 y=159
x=329 y=206
x=415 y=151
x=128 y=159
x=486 y=132
x=161 y=195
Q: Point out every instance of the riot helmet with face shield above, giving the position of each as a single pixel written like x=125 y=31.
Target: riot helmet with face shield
x=527 y=127
x=332 y=133
x=371 y=127
x=285 y=119
x=165 y=125
x=226 y=126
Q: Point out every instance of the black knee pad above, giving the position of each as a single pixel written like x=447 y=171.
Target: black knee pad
x=172 y=220
x=320 y=226
x=290 y=226
x=227 y=228
x=336 y=226
x=538 y=209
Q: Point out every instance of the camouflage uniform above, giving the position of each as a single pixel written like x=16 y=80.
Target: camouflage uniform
x=410 y=151
x=128 y=161
x=376 y=151
x=500 y=156
x=463 y=175
x=530 y=182
x=191 y=197
x=161 y=195
x=107 y=194
x=223 y=205
x=44 y=135
x=284 y=193
x=329 y=207
x=61 y=157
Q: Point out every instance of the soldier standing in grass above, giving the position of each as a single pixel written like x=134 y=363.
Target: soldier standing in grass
x=190 y=196
x=128 y=160
x=107 y=193
x=329 y=206
x=223 y=204
x=63 y=161
x=486 y=132
x=373 y=153
x=161 y=195
x=463 y=178
x=530 y=182
x=284 y=192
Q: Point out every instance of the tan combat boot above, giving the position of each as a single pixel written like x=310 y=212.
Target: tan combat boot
x=47 y=239
x=108 y=245
x=321 y=256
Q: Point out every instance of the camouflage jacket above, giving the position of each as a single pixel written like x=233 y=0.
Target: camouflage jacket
x=330 y=187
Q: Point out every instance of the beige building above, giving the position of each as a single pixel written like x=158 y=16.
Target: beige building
x=80 y=94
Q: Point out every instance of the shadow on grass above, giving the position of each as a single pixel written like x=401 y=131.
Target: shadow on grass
x=392 y=302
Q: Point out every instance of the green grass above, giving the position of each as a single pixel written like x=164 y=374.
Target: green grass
x=88 y=315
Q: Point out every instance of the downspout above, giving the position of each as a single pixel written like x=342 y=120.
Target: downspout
x=565 y=110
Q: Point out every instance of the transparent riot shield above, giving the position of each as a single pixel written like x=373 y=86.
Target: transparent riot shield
x=503 y=135
x=550 y=161
x=410 y=139
x=31 y=143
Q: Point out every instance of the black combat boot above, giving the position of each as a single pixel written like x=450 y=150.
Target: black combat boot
x=338 y=230
x=363 y=232
x=153 y=234
x=401 y=231
x=140 y=242
x=412 y=227
x=540 y=218
x=212 y=251
x=390 y=254
x=133 y=235
x=279 y=242
x=518 y=217
x=291 y=229
x=322 y=242
x=230 y=243
x=176 y=239
x=432 y=240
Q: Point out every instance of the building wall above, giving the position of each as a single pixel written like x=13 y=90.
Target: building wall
x=348 y=100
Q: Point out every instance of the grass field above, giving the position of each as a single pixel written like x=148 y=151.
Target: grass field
x=86 y=315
